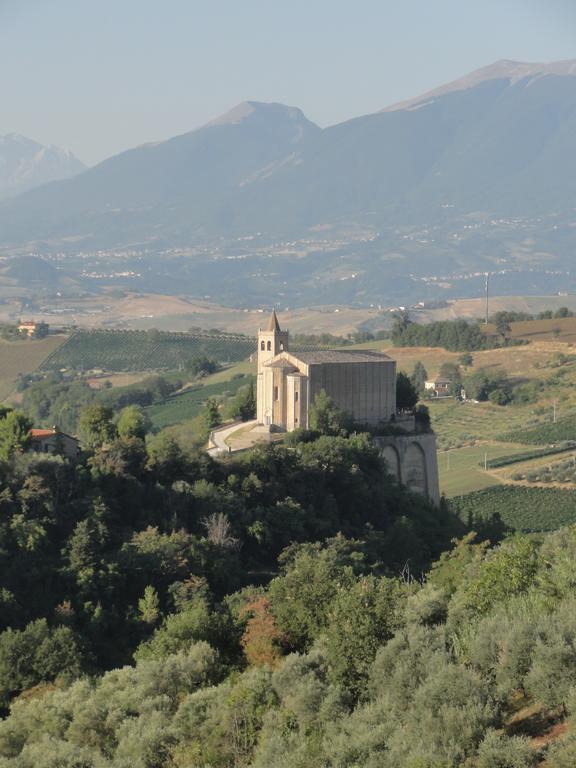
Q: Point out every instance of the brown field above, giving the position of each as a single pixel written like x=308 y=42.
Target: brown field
x=524 y=362
x=18 y=357
x=470 y=309
x=561 y=329
x=116 y=379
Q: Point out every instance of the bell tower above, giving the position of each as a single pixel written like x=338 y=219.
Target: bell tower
x=271 y=342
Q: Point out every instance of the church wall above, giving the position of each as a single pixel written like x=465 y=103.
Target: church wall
x=366 y=390
x=296 y=394
x=265 y=406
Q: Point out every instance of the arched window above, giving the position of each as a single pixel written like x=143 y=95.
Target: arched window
x=269 y=346
x=262 y=346
x=295 y=397
x=281 y=346
x=275 y=393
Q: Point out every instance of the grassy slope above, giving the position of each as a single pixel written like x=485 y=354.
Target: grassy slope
x=20 y=357
x=460 y=470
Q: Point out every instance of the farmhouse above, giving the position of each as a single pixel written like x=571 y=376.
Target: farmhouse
x=53 y=441
x=32 y=328
x=438 y=387
x=360 y=382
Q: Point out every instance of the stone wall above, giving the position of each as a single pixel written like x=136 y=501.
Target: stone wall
x=413 y=461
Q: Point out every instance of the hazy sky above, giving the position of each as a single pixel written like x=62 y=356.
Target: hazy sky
x=100 y=76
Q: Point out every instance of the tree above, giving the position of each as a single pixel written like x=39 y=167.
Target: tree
x=36 y=654
x=406 y=394
x=261 y=639
x=96 y=426
x=14 y=434
x=449 y=370
x=211 y=416
x=149 y=606
x=466 y=359
x=502 y=323
x=325 y=416
x=301 y=597
x=133 y=422
x=362 y=618
x=402 y=322
x=419 y=377
x=563 y=312
x=481 y=383
x=243 y=406
x=202 y=365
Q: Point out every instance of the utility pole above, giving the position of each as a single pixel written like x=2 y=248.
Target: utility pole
x=487 y=296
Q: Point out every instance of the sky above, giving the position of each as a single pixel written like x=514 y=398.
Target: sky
x=101 y=76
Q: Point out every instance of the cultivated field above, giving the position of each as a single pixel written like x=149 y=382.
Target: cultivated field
x=186 y=405
x=21 y=357
x=521 y=508
x=144 y=351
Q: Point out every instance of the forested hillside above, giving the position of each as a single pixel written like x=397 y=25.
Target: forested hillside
x=289 y=607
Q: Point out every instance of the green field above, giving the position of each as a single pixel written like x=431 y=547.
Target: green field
x=520 y=507
x=186 y=405
x=460 y=468
x=144 y=350
x=20 y=357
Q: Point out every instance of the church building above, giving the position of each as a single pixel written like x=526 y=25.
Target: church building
x=360 y=382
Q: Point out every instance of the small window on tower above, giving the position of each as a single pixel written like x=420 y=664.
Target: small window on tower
x=281 y=346
x=295 y=397
x=269 y=346
x=262 y=346
x=275 y=393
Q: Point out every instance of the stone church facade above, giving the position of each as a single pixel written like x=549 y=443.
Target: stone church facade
x=360 y=382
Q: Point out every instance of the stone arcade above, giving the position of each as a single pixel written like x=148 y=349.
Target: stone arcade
x=361 y=382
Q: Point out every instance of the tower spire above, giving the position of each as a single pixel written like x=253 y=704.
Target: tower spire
x=273 y=324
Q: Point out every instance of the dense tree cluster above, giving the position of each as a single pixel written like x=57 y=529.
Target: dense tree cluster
x=55 y=399
x=454 y=335
x=110 y=547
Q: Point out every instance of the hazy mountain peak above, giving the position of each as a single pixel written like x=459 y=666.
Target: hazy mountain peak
x=250 y=109
x=25 y=164
x=505 y=69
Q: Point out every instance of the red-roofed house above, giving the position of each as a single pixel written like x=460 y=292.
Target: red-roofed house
x=54 y=442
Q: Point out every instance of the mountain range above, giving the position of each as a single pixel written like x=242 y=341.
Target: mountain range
x=479 y=172
x=25 y=164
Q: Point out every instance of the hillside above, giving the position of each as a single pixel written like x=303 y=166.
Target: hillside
x=475 y=176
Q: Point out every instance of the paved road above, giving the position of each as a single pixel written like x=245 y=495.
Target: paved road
x=219 y=436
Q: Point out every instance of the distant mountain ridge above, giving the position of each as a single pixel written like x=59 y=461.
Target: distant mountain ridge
x=505 y=69
x=25 y=164
x=500 y=141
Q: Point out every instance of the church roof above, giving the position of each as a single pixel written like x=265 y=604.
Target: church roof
x=280 y=362
x=273 y=324
x=342 y=356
